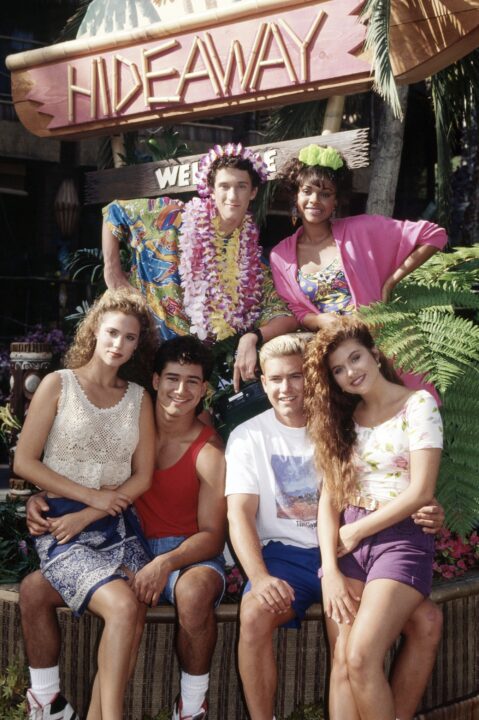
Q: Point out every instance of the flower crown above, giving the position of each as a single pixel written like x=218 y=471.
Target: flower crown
x=230 y=150
x=324 y=156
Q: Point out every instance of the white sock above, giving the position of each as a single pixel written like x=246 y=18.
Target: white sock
x=45 y=683
x=193 y=689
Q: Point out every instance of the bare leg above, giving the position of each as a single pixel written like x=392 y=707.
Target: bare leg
x=385 y=607
x=256 y=660
x=94 y=711
x=196 y=591
x=342 y=705
x=416 y=658
x=41 y=631
x=117 y=605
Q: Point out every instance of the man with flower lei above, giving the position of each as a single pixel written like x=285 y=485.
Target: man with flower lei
x=199 y=264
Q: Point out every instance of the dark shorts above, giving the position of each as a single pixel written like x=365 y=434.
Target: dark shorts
x=298 y=567
x=402 y=552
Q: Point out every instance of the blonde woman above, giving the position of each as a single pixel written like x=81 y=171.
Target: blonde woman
x=88 y=441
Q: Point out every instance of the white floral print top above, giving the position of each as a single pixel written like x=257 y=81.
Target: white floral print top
x=382 y=452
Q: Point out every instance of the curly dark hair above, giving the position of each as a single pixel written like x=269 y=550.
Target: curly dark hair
x=232 y=163
x=186 y=350
x=329 y=411
x=139 y=367
x=295 y=173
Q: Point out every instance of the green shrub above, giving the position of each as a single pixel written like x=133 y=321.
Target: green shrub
x=13 y=686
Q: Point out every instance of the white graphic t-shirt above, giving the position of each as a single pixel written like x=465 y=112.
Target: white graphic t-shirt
x=269 y=459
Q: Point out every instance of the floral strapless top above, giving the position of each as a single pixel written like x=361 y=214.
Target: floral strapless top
x=328 y=289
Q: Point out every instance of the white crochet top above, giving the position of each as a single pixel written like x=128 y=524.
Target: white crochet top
x=89 y=445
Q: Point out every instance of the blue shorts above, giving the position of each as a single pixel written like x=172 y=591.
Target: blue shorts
x=402 y=552
x=159 y=546
x=299 y=568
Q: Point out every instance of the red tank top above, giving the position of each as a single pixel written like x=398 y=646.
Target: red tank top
x=170 y=506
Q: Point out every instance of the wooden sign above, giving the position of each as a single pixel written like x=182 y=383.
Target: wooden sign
x=168 y=178
x=428 y=35
x=253 y=55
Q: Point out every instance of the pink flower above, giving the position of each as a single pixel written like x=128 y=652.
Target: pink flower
x=401 y=462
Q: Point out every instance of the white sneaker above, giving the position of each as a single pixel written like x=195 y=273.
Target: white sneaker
x=202 y=713
x=57 y=709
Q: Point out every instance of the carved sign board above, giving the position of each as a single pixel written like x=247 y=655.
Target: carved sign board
x=254 y=54
x=168 y=178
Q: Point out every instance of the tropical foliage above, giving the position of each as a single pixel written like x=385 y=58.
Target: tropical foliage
x=13 y=686
x=428 y=327
x=17 y=553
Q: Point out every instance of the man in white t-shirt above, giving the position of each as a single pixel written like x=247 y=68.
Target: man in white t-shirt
x=273 y=490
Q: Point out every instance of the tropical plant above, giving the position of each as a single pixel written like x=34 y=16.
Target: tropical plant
x=9 y=424
x=455 y=555
x=428 y=328
x=17 y=552
x=13 y=686
x=455 y=96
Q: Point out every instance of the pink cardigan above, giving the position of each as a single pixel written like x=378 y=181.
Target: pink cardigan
x=371 y=247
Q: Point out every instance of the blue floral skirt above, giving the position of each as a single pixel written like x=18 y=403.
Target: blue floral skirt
x=105 y=550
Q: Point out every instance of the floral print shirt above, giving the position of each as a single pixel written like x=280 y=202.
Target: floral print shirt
x=382 y=452
x=150 y=228
x=328 y=288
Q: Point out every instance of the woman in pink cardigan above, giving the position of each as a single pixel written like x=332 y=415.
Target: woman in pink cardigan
x=335 y=265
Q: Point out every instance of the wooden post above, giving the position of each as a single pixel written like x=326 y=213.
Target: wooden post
x=334 y=114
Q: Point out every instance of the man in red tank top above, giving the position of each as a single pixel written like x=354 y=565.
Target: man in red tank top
x=183 y=516
x=184 y=520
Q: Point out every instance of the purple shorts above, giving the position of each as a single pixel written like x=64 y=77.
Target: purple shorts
x=402 y=552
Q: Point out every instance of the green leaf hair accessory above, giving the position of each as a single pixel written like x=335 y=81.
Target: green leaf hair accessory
x=324 y=156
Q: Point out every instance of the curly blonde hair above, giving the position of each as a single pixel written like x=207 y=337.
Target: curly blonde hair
x=139 y=367
x=329 y=411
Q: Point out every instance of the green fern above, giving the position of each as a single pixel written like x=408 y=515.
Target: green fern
x=423 y=331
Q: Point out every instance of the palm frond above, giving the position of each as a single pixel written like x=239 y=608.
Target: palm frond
x=295 y=121
x=70 y=30
x=86 y=260
x=455 y=96
x=378 y=14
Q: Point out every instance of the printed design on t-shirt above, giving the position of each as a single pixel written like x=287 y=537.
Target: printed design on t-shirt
x=297 y=493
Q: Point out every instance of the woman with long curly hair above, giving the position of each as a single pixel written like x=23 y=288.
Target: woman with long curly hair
x=88 y=441
x=334 y=265
x=378 y=446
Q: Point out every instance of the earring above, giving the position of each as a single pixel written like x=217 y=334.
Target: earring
x=294 y=215
x=379 y=364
